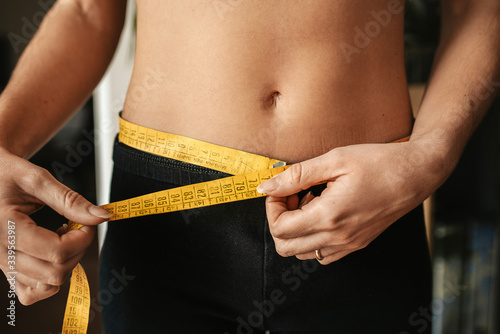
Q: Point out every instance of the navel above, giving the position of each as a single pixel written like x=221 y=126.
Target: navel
x=273 y=99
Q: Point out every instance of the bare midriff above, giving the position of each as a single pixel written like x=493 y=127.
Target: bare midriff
x=285 y=79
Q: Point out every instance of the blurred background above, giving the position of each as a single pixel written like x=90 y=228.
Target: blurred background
x=462 y=217
x=20 y=19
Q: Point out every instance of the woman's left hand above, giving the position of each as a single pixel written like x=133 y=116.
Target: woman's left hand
x=369 y=187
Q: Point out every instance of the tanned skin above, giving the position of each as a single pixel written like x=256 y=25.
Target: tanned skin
x=314 y=83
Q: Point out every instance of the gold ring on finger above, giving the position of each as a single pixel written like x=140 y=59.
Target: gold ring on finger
x=318 y=255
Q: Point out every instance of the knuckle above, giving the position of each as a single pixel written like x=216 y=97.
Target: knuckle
x=58 y=257
x=279 y=235
x=273 y=225
x=71 y=198
x=56 y=278
x=276 y=231
x=328 y=217
x=281 y=249
x=296 y=173
x=37 y=177
x=338 y=155
x=46 y=290
x=345 y=238
x=26 y=296
x=336 y=221
x=332 y=223
x=39 y=285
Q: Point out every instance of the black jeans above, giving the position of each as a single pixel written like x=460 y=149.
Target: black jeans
x=215 y=269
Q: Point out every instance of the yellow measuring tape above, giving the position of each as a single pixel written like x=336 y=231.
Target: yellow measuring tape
x=249 y=171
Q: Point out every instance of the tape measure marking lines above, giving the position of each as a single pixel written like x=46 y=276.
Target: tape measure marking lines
x=196 y=152
x=76 y=315
x=225 y=190
x=249 y=171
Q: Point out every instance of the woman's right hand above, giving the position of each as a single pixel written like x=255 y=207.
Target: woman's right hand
x=43 y=259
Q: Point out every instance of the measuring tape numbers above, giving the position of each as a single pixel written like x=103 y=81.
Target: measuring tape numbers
x=225 y=190
x=76 y=315
x=248 y=170
x=196 y=152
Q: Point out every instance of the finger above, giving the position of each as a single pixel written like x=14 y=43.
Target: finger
x=275 y=207
x=46 y=245
x=32 y=283
x=306 y=199
x=300 y=176
x=292 y=202
x=28 y=295
x=68 y=203
x=289 y=203
x=308 y=244
x=62 y=230
x=324 y=251
x=302 y=245
x=309 y=218
x=327 y=259
x=43 y=271
x=27 y=289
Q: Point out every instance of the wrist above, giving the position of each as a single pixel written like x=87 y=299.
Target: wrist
x=9 y=147
x=439 y=156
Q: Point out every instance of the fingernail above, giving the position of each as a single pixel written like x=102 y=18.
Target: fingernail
x=306 y=199
x=62 y=230
x=99 y=212
x=267 y=186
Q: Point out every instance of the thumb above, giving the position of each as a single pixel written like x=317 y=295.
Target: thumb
x=298 y=177
x=67 y=202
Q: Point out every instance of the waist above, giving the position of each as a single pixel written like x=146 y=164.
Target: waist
x=287 y=135
x=196 y=152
